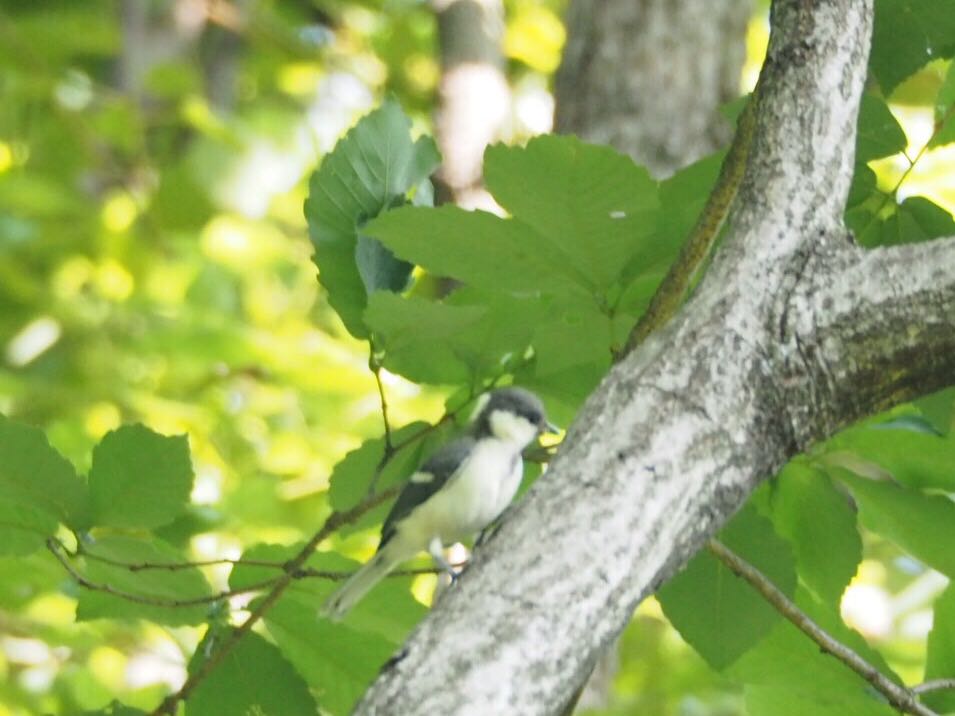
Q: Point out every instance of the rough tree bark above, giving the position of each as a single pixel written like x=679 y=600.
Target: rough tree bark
x=648 y=76
x=793 y=333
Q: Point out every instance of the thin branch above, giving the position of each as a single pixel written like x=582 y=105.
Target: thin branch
x=62 y=555
x=292 y=567
x=56 y=548
x=177 y=566
x=900 y=697
x=374 y=365
x=933 y=685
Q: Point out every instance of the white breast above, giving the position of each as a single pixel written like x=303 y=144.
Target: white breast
x=483 y=488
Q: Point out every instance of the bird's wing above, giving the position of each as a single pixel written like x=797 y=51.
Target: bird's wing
x=434 y=474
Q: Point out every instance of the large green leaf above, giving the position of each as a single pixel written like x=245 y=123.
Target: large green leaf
x=464 y=339
x=595 y=206
x=786 y=674
x=719 y=614
x=254 y=678
x=23 y=527
x=475 y=247
x=820 y=524
x=140 y=478
x=923 y=525
x=337 y=661
x=156 y=584
x=940 y=659
x=371 y=169
x=907 y=35
x=879 y=132
x=916 y=458
x=418 y=336
x=34 y=474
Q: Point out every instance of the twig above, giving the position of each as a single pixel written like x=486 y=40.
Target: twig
x=176 y=566
x=375 y=367
x=900 y=697
x=56 y=548
x=912 y=162
x=61 y=554
x=933 y=685
x=292 y=567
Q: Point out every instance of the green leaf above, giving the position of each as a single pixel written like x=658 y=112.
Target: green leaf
x=475 y=247
x=337 y=661
x=33 y=473
x=378 y=267
x=140 y=478
x=254 y=678
x=718 y=613
x=879 y=132
x=916 y=219
x=907 y=35
x=417 y=336
x=940 y=657
x=820 y=524
x=464 y=339
x=786 y=674
x=594 y=205
x=863 y=185
x=939 y=409
x=156 y=584
x=923 y=525
x=352 y=476
x=388 y=610
x=945 y=111
x=370 y=170
x=915 y=458
x=23 y=528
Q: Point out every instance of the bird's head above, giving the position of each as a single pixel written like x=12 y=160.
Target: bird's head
x=511 y=414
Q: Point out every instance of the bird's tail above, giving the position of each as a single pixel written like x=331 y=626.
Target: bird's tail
x=357 y=586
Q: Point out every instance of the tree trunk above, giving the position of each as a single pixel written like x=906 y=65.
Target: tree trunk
x=648 y=76
x=793 y=333
x=473 y=96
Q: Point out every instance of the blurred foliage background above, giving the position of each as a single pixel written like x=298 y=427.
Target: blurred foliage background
x=155 y=267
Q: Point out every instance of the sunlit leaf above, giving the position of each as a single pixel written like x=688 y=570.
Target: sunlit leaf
x=140 y=478
x=922 y=525
x=786 y=673
x=33 y=473
x=909 y=34
x=820 y=524
x=370 y=170
x=879 y=133
x=594 y=206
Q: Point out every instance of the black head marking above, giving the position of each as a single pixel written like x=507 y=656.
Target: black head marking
x=512 y=400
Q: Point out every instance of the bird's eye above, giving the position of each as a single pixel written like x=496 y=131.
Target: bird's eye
x=534 y=416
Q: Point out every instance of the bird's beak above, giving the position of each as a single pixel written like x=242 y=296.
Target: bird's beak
x=549 y=428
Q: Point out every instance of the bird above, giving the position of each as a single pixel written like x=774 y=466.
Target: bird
x=461 y=489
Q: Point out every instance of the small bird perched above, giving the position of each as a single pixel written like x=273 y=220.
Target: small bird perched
x=458 y=491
